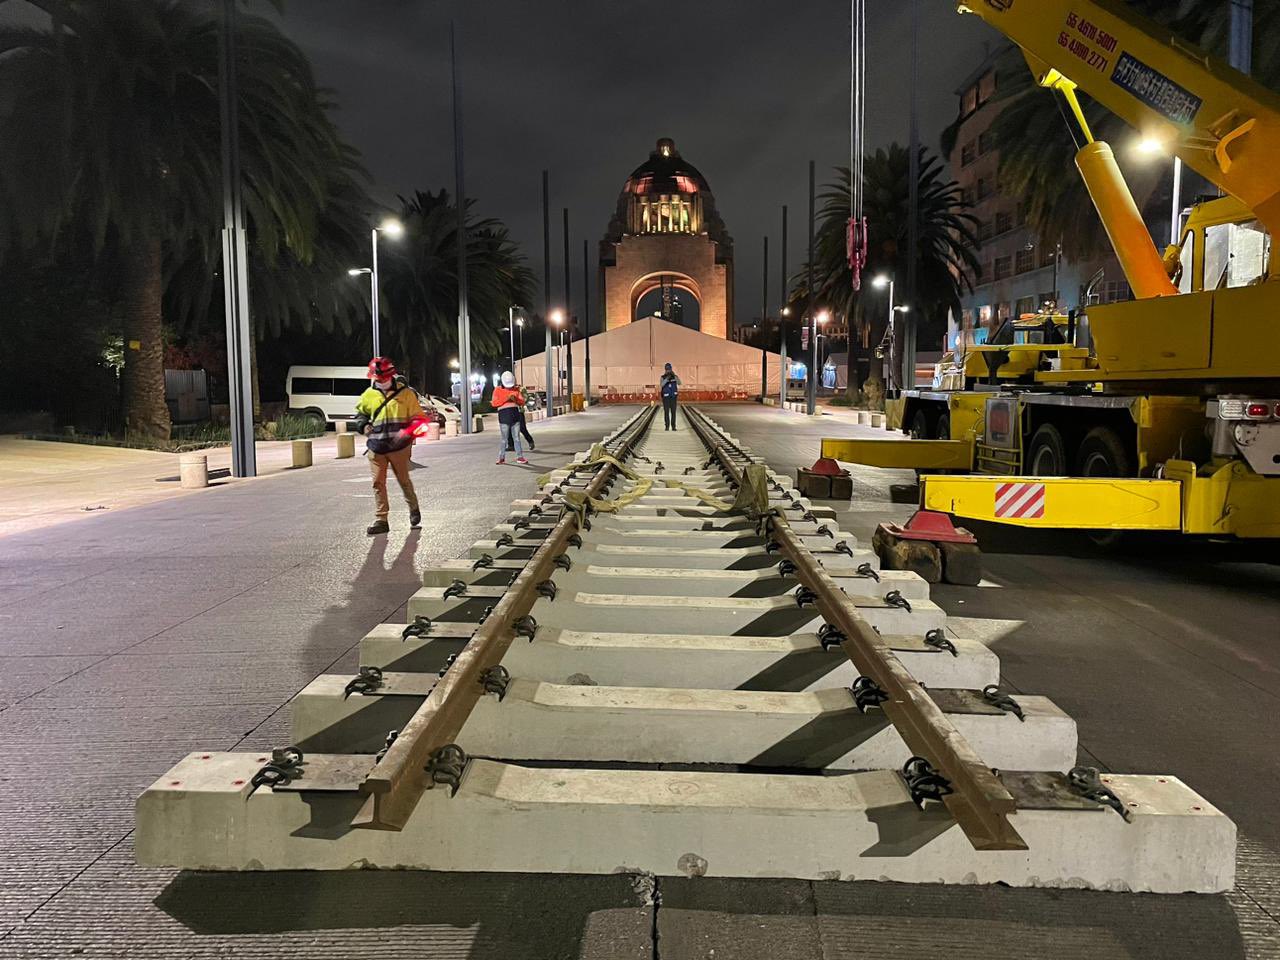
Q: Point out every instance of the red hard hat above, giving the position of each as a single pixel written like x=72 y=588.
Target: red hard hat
x=381 y=368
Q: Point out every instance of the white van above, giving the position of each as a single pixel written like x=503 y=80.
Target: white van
x=330 y=393
x=325 y=393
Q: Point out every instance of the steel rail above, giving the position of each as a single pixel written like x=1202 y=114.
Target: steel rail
x=980 y=803
x=398 y=780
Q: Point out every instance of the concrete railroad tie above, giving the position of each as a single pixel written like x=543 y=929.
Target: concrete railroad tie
x=665 y=708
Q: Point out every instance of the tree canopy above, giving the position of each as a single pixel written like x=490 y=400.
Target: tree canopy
x=945 y=258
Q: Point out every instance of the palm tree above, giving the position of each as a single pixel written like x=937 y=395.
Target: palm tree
x=945 y=257
x=110 y=123
x=290 y=292
x=420 y=283
x=1037 y=148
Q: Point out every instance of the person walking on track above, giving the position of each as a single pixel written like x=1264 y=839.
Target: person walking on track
x=383 y=414
x=508 y=401
x=670 y=388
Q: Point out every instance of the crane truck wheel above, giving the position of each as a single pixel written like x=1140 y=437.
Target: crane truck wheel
x=943 y=429
x=1046 y=453
x=920 y=426
x=1102 y=454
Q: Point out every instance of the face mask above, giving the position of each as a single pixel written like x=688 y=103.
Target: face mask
x=383 y=384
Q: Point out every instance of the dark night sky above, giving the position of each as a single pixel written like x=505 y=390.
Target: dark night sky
x=749 y=89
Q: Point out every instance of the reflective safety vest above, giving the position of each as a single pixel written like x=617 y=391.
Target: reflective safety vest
x=389 y=417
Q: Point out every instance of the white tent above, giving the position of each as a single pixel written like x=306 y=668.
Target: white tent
x=626 y=363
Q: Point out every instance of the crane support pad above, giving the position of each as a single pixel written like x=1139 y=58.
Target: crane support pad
x=1074 y=503
x=904 y=454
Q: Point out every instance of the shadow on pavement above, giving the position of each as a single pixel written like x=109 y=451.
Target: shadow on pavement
x=873 y=919
x=540 y=915
x=482 y=915
x=377 y=585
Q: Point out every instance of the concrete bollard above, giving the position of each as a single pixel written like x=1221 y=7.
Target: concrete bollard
x=433 y=431
x=451 y=428
x=477 y=423
x=340 y=426
x=346 y=445
x=864 y=418
x=877 y=419
x=302 y=453
x=193 y=470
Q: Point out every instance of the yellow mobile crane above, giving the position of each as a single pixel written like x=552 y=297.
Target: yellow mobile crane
x=1165 y=415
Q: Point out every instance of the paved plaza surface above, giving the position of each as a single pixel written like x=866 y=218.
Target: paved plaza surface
x=132 y=636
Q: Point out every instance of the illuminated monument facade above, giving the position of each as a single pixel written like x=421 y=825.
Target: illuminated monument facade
x=667 y=252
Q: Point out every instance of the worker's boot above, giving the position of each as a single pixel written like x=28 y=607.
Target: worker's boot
x=377 y=527
x=415 y=518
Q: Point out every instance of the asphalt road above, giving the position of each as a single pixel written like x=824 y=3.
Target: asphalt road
x=131 y=637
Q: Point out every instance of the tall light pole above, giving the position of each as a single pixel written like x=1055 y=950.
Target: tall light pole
x=913 y=205
x=1151 y=146
x=460 y=202
x=520 y=324
x=235 y=258
x=546 y=285
x=568 y=360
x=586 y=326
x=511 y=332
x=783 y=313
x=393 y=229
x=813 y=386
x=880 y=282
x=822 y=317
x=764 y=316
x=557 y=320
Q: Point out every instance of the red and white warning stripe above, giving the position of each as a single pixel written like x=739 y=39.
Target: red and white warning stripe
x=1020 y=500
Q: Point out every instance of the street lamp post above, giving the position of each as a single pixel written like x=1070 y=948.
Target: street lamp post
x=393 y=229
x=786 y=361
x=822 y=317
x=1154 y=145
x=520 y=324
x=880 y=283
x=557 y=318
x=511 y=333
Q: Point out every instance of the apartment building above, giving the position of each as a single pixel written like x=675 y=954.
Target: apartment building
x=1019 y=271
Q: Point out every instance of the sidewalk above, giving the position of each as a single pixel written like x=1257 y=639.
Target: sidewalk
x=845 y=416
x=43 y=482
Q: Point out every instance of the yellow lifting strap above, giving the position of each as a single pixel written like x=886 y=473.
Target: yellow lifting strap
x=752 y=497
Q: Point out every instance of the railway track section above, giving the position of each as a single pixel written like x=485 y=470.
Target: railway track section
x=668 y=661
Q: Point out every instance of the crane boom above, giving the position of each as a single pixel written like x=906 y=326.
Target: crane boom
x=1223 y=124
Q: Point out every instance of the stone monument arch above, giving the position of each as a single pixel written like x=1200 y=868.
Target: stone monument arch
x=666 y=235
